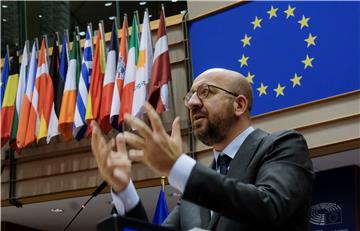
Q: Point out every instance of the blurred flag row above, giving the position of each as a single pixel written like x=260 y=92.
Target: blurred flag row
x=45 y=97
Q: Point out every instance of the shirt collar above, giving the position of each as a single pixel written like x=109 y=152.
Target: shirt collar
x=232 y=148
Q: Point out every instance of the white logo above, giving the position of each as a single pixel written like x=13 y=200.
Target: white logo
x=326 y=214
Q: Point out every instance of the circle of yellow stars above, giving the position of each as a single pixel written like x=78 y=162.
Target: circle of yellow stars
x=308 y=59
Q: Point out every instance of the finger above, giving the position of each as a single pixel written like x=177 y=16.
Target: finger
x=97 y=138
x=138 y=125
x=136 y=155
x=120 y=146
x=134 y=141
x=154 y=118
x=176 y=129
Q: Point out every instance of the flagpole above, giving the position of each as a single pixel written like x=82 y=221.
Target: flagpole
x=46 y=48
x=37 y=47
x=66 y=31
x=89 y=27
x=163 y=182
x=57 y=38
x=136 y=12
x=101 y=23
x=127 y=31
x=78 y=41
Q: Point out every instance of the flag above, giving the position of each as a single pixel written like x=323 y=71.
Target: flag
x=4 y=76
x=161 y=211
x=130 y=73
x=20 y=93
x=96 y=80
x=109 y=79
x=292 y=53
x=8 y=104
x=143 y=71
x=160 y=75
x=80 y=126
x=26 y=104
x=42 y=122
x=68 y=103
x=120 y=75
x=60 y=83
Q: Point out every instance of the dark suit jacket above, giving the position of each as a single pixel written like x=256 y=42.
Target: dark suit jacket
x=268 y=187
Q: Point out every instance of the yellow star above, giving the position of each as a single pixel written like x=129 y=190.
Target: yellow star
x=304 y=22
x=289 y=12
x=256 y=22
x=279 y=90
x=310 y=40
x=249 y=78
x=307 y=62
x=296 y=80
x=246 y=40
x=272 y=12
x=243 y=61
x=262 y=89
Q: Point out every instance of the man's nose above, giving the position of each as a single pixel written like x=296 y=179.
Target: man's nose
x=194 y=101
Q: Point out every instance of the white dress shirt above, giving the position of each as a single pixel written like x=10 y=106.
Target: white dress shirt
x=179 y=174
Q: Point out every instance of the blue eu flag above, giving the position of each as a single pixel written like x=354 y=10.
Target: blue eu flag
x=291 y=52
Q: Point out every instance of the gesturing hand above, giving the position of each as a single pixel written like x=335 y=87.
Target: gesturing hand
x=153 y=145
x=114 y=166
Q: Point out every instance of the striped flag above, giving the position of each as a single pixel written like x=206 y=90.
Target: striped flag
x=20 y=93
x=120 y=75
x=96 y=80
x=64 y=61
x=143 y=71
x=4 y=76
x=43 y=100
x=68 y=103
x=130 y=73
x=8 y=104
x=26 y=104
x=80 y=125
x=160 y=75
x=109 y=79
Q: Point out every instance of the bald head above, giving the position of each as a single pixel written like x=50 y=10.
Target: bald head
x=231 y=80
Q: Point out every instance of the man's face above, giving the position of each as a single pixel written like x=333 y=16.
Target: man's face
x=213 y=116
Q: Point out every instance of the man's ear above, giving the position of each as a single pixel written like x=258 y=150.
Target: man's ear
x=240 y=105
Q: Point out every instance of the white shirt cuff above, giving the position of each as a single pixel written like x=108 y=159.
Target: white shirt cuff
x=180 y=172
x=126 y=200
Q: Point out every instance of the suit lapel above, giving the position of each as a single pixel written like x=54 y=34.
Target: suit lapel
x=245 y=154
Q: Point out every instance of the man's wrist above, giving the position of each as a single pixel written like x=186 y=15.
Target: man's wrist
x=180 y=172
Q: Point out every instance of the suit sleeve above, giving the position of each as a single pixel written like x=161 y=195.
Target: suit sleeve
x=173 y=219
x=281 y=186
x=138 y=212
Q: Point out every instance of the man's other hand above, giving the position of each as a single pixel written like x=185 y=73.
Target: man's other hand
x=114 y=165
x=154 y=146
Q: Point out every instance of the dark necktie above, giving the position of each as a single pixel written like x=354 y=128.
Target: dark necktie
x=223 y=162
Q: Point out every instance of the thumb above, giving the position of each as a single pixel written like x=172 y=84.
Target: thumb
x=176 y=130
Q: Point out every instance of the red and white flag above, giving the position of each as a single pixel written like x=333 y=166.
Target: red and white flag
x=160 y=75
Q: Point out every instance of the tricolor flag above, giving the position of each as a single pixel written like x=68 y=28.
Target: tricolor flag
x=160 y=75
x=43 y=100
x=120 y=75
x=4 y=76
x=130 y=73
x=26 y=104
x=8 y=104
x=20 y=93
x=109 y=79
x=64 y=61
x=143 y=71
x=80 y=125
x=68 y=102
x=96 y=80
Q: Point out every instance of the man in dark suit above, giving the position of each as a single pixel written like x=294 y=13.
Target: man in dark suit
x=257 y=181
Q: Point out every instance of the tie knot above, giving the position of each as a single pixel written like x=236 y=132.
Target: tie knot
x=223 y=162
